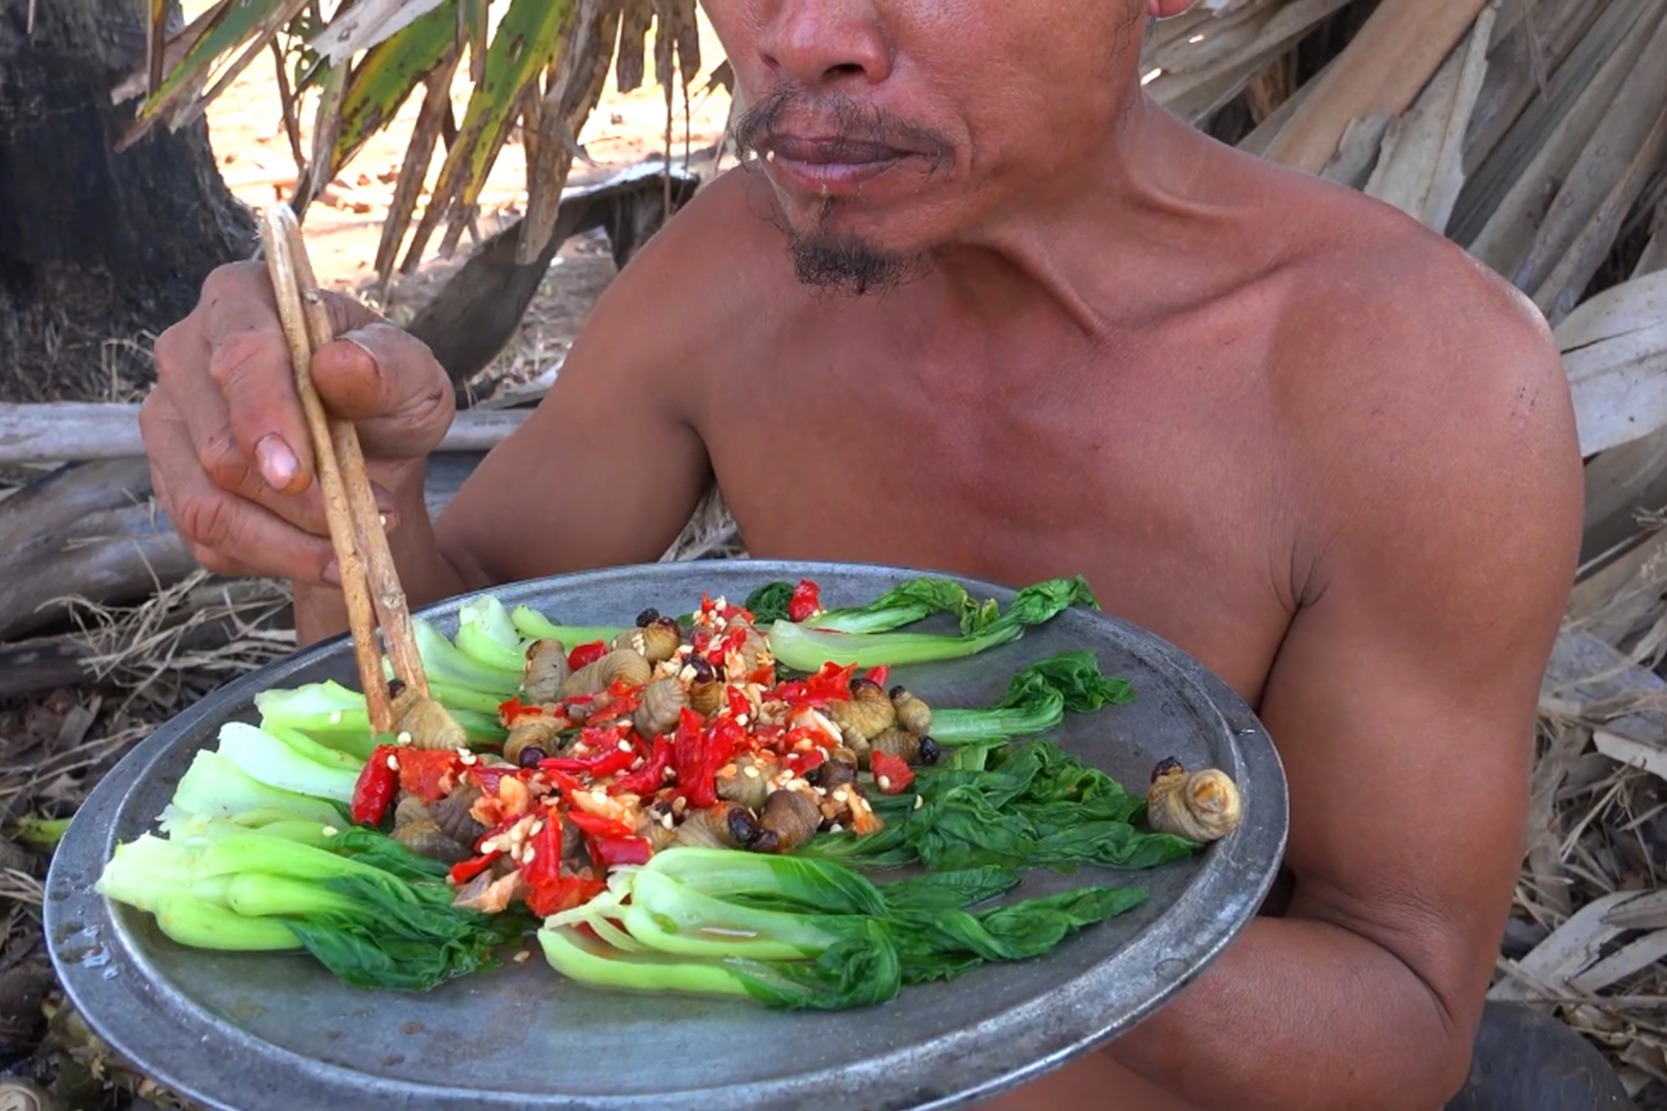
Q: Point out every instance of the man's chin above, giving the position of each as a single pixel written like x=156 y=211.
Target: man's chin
x=846 y=264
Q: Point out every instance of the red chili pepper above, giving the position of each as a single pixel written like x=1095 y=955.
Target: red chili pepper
x=514 y=711
x=802 y=762
x=606 y=763
x=586 y=653
x=374 y=789
x=423 y=771
x=598 y=826
x=650 y=777
x=891 y=774
x=806 y=601
x=564 y=783
x=563 y=894
x=545 y=847
x=686 y=753
x=738 y=703
x=464 y=871
x=623 y=699
x=879 y=675
x=611 y=852
x=487 y=777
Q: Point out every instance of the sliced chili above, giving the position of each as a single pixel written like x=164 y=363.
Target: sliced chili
x=466 y=870
x=424 y=772
x=545 y=847
x=891 y=774
x=562 y=894
x=598 y=826
x=375 y=787
x=586 y=654
x=806 y=601
x=610 y=852
x=651 y=776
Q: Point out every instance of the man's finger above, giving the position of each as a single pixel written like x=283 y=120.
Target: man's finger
x=248 y=358
x=389 y=382
x=235 y=529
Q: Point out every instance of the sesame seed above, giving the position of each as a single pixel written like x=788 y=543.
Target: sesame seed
x=741 y=720
x=522 y=957
x=884 y=782
x=920 y=801
x=625 y=746
x=527 y=855
x=750 y=772
x=335 y=717
x=393 y=765
x=835 y=828
x=469 y=758
x=536 y=828
x=665 y=820
x=491 y=845
x=330 y=831
x=404 y=738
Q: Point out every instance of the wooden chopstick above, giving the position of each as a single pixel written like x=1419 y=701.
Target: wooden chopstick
x=370 y=582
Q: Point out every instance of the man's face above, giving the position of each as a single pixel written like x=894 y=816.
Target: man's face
x=889 y=128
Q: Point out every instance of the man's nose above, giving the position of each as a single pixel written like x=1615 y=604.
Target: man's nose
x=826 y=42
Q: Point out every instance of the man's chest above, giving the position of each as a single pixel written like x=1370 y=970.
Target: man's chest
x=1162 y=508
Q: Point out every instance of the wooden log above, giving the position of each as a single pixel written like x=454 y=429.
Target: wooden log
x=1379 y=73
x=117 y=547
x=71 y=430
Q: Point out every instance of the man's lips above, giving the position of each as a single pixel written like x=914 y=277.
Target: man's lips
x=827 y=166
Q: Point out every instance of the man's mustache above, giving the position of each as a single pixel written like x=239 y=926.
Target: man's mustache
x=847 y=118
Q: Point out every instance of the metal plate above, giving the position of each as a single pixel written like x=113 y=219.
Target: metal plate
x=259 y=1031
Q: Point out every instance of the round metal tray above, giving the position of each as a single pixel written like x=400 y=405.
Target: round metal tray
x=258 y=1031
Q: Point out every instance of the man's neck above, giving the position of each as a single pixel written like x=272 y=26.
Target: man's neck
x=1088 y=247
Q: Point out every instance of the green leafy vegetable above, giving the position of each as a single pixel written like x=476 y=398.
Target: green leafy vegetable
x=486 y=635
x=255 y=890
x=807 y=649
x=1037 y=699
x=797 y=934
x=1034 y=805
x=535 y=626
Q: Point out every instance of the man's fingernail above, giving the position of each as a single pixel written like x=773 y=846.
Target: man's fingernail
x=332 y=573
x=277 y=463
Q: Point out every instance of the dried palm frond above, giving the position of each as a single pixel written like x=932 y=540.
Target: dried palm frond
x=536 y=64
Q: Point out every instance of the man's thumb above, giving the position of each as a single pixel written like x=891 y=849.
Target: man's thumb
x=389 y=383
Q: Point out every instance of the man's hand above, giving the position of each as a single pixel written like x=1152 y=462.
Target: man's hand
x=231 y=458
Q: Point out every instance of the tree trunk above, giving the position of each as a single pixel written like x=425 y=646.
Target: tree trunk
x=99 y=251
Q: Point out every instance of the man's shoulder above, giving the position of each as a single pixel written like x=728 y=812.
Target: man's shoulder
x=1410 y=329
x=1421 y=384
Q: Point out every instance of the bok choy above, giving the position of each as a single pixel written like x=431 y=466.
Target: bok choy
x=252 y=890
x=1037 y=699
x=806 y=649
x=793 y=934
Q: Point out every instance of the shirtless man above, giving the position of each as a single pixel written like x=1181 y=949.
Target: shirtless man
x=980 y=306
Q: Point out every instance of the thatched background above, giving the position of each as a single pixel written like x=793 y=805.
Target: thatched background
x=1531 y=132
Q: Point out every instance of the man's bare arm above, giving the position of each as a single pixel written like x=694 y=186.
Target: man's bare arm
x=1403 y=705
